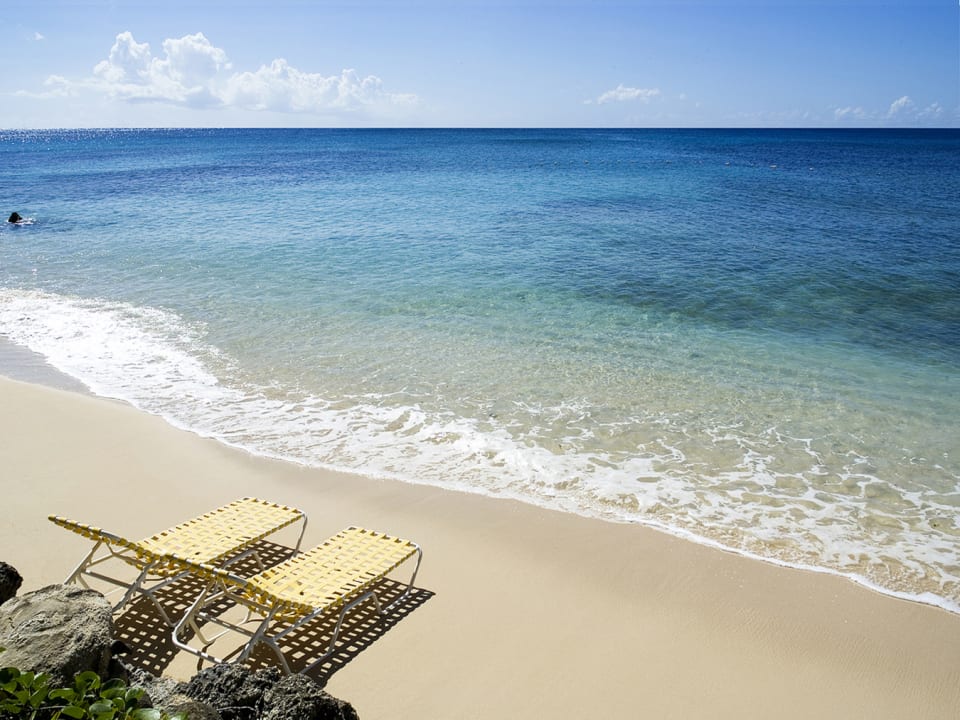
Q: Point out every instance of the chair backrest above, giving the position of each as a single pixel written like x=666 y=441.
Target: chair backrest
x=96 y=534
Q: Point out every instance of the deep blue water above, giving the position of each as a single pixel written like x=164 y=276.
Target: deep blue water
x=748 y=337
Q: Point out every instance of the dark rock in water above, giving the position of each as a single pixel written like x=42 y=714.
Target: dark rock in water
x=241 y=694
x=60 y=629
x=14 y=218
x=10 y=582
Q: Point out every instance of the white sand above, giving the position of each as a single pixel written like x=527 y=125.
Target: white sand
x=528 y=613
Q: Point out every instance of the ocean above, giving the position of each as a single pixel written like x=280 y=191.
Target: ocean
x=747 y=338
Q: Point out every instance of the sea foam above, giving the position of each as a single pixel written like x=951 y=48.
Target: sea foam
x=163 y=364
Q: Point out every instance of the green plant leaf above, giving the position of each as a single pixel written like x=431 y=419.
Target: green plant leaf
x=87 y=680
x=28 y=696
x=146 y=714
x=112 y=692
x=133 y=696
x=68 y=694
x=38 y=696
x=114 y=684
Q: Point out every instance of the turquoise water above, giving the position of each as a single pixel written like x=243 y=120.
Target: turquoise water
x=750 y=338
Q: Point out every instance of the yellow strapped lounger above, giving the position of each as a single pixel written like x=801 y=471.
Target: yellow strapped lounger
x=338 y=574
x=219 y=537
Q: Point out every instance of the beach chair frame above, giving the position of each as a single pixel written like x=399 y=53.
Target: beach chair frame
x=220 y=537
x=337 y=575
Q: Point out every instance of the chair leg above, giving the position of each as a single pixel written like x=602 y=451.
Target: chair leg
x=85 y=569
x=260 y=636
x=76 y=575
x=413 y=579
x=137 y=586
x=303 y=529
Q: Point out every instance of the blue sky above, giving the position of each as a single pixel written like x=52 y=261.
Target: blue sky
x=460 y=63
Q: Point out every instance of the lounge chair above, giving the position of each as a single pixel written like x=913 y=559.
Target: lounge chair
x=338 y=574
x=217 y=538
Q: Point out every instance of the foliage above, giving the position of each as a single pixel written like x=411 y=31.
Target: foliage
x=28 y=696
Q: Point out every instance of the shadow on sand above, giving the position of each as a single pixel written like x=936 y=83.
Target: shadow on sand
x=141 y=627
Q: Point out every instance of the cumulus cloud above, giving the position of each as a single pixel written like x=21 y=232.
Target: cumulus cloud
x=901 y=107
x=622 y=93
x=39 y=36
x=192 y=72
x=283 y=88
x=189 y=73
x=905 y=109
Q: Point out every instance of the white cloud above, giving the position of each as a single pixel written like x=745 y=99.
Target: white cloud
x=56 y=87
x=850 y=113
x=39 y=36
x=932 y=112
x=189 y=73
x=901 y=107
x=905 y=110
x=282 y=88
x=128 y=61
x=902 y=112
x=193 y=73
x=622 y=93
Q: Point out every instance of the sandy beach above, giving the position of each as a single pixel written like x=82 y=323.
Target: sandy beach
x=521 y=612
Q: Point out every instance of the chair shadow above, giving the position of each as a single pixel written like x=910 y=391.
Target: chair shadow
x=149 y=639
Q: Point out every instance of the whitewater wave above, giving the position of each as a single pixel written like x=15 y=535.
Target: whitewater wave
x=825 y=513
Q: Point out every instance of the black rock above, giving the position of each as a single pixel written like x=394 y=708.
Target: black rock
x=10 y=582
x=296 y=696
x=238 y=693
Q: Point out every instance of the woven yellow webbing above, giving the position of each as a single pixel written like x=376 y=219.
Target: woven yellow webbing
x=209 y=538
x=93 y=533
x=341 y=568
x=220 y=533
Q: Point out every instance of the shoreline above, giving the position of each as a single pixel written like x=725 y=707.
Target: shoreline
x=804 y=495
x=23 y=364
x=532 y=612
